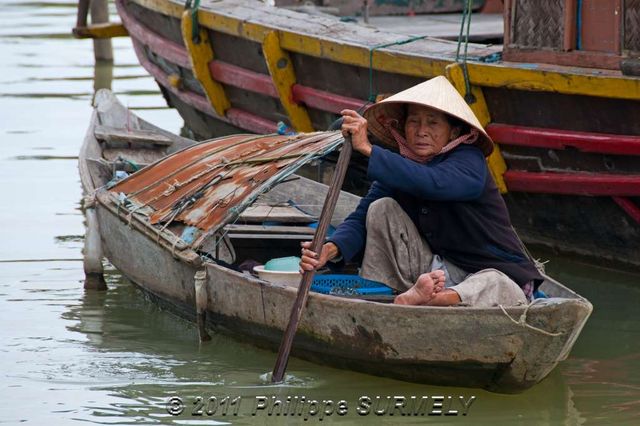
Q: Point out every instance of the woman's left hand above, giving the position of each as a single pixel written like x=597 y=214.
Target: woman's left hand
x=356 y=126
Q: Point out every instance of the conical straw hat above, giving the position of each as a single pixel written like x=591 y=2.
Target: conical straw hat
x=436 y=93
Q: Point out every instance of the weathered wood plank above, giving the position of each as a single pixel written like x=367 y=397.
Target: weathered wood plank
x=260 y=213
x=284 y=78
x=200 y=54
x=562 y=139
x=574 y=183
x=262 y=229
x=137 y=136
x=103 y=30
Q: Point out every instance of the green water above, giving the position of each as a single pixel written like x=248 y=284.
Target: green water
x=74 y=357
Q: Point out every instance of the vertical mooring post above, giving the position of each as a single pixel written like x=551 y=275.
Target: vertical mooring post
x=102 y=48
x=200 y=284
x=365 y=11
x=92 y=259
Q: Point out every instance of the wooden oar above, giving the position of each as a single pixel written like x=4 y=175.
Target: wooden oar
x=316 y=246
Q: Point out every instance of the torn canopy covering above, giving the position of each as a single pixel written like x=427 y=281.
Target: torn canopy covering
x=209 y=184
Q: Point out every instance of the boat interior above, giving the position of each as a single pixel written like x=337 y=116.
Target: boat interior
x=237 y=208
x=259 y=210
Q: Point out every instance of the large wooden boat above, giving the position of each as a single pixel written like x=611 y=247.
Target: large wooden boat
x=554 y=98
x=565 y=120
x=144 y=220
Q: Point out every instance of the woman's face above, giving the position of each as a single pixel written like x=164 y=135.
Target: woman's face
x=427 y=130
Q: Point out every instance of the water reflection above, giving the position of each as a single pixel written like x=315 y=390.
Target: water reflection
x=603 y=370
x=161 y=356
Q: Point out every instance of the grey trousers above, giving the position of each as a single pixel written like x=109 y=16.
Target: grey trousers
x=396 y=255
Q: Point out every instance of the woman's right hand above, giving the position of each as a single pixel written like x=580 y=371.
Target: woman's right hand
x=355 y=125
x=310 y=260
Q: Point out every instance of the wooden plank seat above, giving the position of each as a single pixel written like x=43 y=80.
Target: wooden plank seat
x=131 y=136
x=285 y=213
x=289 y=223
x=240 y=231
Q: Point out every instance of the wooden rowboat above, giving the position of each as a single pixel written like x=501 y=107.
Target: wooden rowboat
x=554 y=97
x=205 y=186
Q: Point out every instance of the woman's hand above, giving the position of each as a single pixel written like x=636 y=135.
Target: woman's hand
x=356 y=126
x=311 y=261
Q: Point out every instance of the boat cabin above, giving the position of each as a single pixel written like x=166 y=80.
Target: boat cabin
x=585 y=33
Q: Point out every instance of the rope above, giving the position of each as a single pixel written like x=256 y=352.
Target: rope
x=372 y=92
x=466 y=19
x=131 y=212
x=133 y=164
x=522 y=321
x=537 y=262
x=173 y=248
x=89 y=201
x=195 y=27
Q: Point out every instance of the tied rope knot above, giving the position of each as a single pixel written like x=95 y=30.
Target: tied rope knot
x=171 y=187
x=89 y=201
x=522 y=321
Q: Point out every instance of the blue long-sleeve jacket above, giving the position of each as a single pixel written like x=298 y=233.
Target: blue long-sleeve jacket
x=454 y=203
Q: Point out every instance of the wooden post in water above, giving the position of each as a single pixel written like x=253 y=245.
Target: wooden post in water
x=92 y=259
x=83 y=10
x=200 y=284
x=102 y=48
x=365 y=11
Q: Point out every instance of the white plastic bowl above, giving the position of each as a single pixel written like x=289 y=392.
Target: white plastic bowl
x=288 y=278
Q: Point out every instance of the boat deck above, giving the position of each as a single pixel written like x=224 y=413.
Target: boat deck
x=385 y=31
x=484 y=26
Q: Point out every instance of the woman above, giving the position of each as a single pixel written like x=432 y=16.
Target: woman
x=433 y=224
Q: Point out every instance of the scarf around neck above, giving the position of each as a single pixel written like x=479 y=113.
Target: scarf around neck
x=405 y=150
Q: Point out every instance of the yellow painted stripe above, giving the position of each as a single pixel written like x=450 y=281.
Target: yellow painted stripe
x=508 y=75
x=284 y=77
x=495 y=161
x=498 y=167
x=571 y=83
x=200 y=55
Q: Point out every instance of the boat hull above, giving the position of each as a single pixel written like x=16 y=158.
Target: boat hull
x=462 y=347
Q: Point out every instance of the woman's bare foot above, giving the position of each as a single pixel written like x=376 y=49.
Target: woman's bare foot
x=425 y=288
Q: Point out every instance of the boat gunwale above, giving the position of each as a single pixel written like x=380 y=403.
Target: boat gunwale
x=578 y=300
